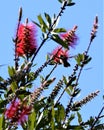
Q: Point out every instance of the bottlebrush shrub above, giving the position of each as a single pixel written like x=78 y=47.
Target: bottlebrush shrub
x=21 y=106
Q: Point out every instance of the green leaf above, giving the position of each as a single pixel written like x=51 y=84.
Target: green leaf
x=70 y=90
x=79 y=59
x=47 y=57
x=99 y=127
x=60 y=1
x=76 y=92
x=90 y=121
x=42 y=23
x=57 y=39
x=87 y=59
x=50 y=81
x=1 y=79
x=79 y=117
x=13 y=86
x=82 y=59
x=72 y=116
x=23 y=93
x=52 y=118
x=39 y=105
x=48 y=18
x=32 y=120
x=11 y=71
x=36 y=24
x=31 y=76
x=69 y=1
x=45 y=120
x=71 y=4
x=1 y=121
x=75 y=127
x=65 y=80
x=41 y=78
x=59 y=30
x=59 y=113
x=2 y=105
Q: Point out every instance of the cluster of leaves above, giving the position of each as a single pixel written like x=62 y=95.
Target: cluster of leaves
x=47 y=113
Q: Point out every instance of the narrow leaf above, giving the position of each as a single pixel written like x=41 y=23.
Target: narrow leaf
x=69 y=1
x=11 y=71
x=42 y=23
x=1 y=121
x=59 y=113
x=77 y=91
x=70 y=90
x=14 y=86
x=72 y=116
x=32 y=119
x=79 y=117
x=1 y=79
x=36 y=24
x=52 y=119
x=60 y=1
x=48 y=18
x=57 y=39
x=70 y=4
x=65 y=80
x=59 y=30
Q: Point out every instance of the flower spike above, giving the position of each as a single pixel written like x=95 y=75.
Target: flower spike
x=70 y=37
x=27 y=43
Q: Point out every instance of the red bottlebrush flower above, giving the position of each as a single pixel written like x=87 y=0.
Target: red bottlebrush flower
x=23 y=115
x=26 y=44
x=60 y=56
x=70 y=37
x=17 y=112
x=12 y=109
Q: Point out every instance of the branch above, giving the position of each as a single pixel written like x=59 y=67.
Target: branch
x=97 y=118
x=51 y=28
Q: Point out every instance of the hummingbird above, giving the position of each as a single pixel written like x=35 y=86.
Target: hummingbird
x=63 y=60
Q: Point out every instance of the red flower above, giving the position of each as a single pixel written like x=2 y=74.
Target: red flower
x=60 y=56
x=23 y=114
x=70 y=37
x=26 y=44
x=17 y=112
x=12 y=109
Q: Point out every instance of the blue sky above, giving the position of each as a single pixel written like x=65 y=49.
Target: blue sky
x=82 y=14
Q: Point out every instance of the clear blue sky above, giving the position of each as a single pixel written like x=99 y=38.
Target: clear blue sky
x=82 y=14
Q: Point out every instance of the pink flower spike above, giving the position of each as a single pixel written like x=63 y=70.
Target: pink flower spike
x=70 y=37
x=12 y=109
x=94 y=29
x=27 y=43
x=17 y=112
x=23 y=115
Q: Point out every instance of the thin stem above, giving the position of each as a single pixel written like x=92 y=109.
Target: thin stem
x=44 y=40
x=93 y=34
x=16 y=39
x=80 y=71
x=97 y=118
x=88 y=48
x=51 y=72
x=60 y=13
x=101 y=116
x=16 y=42
x=51 y=28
